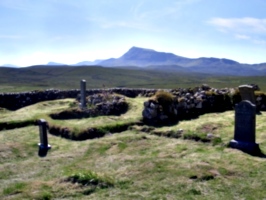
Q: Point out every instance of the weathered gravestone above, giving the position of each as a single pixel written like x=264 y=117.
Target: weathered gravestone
x=43 y=145
x=245 y=124
x=83 y=94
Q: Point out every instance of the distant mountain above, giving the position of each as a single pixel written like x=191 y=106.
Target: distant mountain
x=151 y=59
x=54 y=63
x=144 y=57
x=88 y=63
x=261 y=66
x=10 y=65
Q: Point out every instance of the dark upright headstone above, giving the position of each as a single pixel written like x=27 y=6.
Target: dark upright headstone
x=245 y=124
x=83 y=94
x=43 y=145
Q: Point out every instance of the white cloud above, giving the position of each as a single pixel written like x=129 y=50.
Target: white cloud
x=261 y=42
x=242 y=37
x=106 y=24
x=150 y=10
x=247 y=28
x=144 y=15
x=241 y=25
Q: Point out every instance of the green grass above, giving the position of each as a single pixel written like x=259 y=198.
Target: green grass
x=91 y=178
x=35 y=111
x=78 y=127
x=140 y=163
x=32 y=78
x=14 y=189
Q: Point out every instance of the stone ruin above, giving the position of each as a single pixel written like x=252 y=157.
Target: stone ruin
x=190 y=103
x=179 y=104
x=97 y=105
x=17 y=100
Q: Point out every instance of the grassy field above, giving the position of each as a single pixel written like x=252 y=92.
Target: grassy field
x=140 y=162
x=38 y=78
x=133 y=164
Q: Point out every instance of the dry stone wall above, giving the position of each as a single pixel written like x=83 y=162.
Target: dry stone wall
x=193 y=102
x=14 y=101
x=200 y=99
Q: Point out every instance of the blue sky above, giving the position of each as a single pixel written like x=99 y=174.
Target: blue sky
x=71 y=31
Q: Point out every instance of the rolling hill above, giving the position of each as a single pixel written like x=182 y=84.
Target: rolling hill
x=148 y=58
x=68 y=77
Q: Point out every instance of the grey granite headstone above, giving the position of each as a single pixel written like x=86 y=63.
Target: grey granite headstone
x=245 y=124
x=83 y=94
x=247 y=93
x=43 y=135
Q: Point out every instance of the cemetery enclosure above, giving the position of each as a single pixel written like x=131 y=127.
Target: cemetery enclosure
x=189 y=159
x=203 y=97
x=142 y=162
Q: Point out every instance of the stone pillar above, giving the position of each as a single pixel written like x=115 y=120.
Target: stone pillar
x=43 y=134
x=83 y=94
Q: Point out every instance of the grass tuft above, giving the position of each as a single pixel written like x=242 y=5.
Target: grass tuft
x=164 y=97
x=14 y=188
x=90 y=178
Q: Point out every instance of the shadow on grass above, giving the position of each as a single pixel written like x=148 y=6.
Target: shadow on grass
x=254 y=150
x=42 y=152
x=169 y=121
x=16 y=124
x=98 y=110
x=257 y=153
x=159 y=124
x=91 y=132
